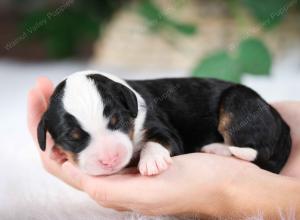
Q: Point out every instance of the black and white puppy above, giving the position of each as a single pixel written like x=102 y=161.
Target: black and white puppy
x=102 y=123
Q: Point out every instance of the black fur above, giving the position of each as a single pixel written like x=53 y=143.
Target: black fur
x=60 y=125
x=120 y=102
x=183 y=114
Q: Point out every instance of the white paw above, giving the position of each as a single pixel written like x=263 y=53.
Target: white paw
x=244 y=153
x=154 y=159
x=217 y=148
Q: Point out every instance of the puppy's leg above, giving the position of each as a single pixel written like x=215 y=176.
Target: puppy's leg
x=253 y=129
x=154 y=159
x=244 y=153
x=217 y=148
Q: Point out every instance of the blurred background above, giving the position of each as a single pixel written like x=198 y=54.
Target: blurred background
x=254 y=42
x=250 y=41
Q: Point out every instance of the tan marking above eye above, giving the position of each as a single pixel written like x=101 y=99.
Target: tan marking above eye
x=75 y=134
x=114 y=120
x=224 y=124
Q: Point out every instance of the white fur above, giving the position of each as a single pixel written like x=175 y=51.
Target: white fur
x=140 y=119
x=216 y=148
x=82 y=100
x=154 y=159
x=244 y=153
x=89 y=157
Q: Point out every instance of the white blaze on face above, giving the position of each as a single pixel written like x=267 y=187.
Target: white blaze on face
x=142 y=111
x=82 y=100
x=108 y=151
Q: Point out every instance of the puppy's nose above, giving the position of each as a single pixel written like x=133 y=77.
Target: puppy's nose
x=110 y=161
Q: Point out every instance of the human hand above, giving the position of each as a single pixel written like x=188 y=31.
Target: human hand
x=38 y=98
x=290 y=111
x=176 y=191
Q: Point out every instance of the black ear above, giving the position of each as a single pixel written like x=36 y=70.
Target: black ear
x=128 y=99
x=41 y=133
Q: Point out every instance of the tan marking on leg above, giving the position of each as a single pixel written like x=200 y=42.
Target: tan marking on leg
x=224 y=123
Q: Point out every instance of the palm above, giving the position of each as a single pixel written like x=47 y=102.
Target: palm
x=124 y=191
x=290 y=111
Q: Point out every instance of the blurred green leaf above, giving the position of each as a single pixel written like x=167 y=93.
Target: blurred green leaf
x=60 y=46
x=186 y=29
x=157 y=19
x=152 y=14
x=63 y=31
x=220 y=66
x=254 y=57
x=150 y=11
x=268 y=12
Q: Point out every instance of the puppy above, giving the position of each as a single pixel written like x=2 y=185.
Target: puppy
x=102 y=123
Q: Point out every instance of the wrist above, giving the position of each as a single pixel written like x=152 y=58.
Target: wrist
x=216 y=201
x=258 y=192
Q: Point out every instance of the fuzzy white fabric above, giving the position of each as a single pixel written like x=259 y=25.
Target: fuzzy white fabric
x=26 y=190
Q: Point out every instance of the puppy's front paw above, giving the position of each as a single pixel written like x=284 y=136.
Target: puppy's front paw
x=154 y=159
x=154 y=165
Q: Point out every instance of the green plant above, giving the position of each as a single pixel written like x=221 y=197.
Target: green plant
x=62 y=34
x=158 y=20
x=254 y=57
x=268 y=13
x=251 y=56
x=65 y=27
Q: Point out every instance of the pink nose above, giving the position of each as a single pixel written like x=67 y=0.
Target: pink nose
x=110 y=161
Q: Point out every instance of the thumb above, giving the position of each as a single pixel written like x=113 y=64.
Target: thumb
x=74 y=176
x=96 y=187
x=104 y=189
x=35 y=110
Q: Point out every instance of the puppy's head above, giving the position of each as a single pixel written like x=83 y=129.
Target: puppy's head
x=91 y=119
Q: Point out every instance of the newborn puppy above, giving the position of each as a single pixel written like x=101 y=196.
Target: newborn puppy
x=102 y=123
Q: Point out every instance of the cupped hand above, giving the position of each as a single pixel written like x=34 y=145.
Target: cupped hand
x=290 y=111
x=192 y=184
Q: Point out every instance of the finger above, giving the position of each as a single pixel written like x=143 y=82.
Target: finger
x=35 y=109
x=74 y=176
x=120 y=209
x=288 y=110
x=37 y=105
x=46 y=87
x=111 y=190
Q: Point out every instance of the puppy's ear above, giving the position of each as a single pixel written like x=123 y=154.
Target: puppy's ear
x=41 y=132
x=128 y=99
